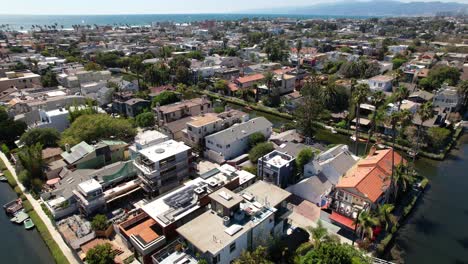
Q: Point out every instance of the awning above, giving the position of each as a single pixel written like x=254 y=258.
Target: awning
x=342 y=220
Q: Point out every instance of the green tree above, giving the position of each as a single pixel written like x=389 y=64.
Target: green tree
x=101 y=254
x=463 y=92
x=318 y=234
x=47 y=137
x=165 y=98
x=365 y=222
x=10 y=129
x=100 y=222
x=359 y=97
x=402 y=178
x=77 y=111
x=258 y=256
x=304 y=156
x=92 y=66
x=334 y=253
x=260 y=150
x=31 y=160
x=398 y=61
x=384 y=213
x=425 y=112
x=49 y=79
x=95 y=127
x=182 y=75
x=221 y=86
x=145 y=119
x=377 y=100
x=438 y=136
x=256 y=138
x=311 y=107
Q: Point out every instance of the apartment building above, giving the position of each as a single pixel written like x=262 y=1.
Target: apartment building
x=207 y=124
x=236 y=222
x=172 y=112
x=20 y=80
x=163 y=166
x=234 y=141
x=157 y=221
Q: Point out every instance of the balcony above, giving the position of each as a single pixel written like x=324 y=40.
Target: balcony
x=174 y=253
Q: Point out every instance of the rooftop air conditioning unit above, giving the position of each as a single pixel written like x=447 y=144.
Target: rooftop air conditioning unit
x=199 y=190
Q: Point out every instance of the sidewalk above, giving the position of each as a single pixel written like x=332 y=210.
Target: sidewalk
x=37 y=207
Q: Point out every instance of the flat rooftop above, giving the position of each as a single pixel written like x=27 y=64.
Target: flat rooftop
x=278 y=160
x=198 y=121
x=144 y=230
x=164 y=150
x=262 y=191
x=226 y=197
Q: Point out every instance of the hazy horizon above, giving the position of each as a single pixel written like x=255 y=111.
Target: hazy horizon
x=135 y=7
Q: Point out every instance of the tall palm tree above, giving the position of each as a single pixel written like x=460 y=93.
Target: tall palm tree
x=318 y=233
x=425 y=113
x=298 y=49
x=377 y=100
x=401 y=94
x=268 y=77
x=384 y=213
x=365 y=222
x=402 y=178
x=359 y=97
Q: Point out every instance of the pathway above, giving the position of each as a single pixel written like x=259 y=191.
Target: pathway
x=37 y=207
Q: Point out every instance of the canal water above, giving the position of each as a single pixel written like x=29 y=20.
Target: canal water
x=437 y=230
x=18 y=245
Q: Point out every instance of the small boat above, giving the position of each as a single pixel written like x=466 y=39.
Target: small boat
x=13 y=206
x=20 y=217
x=353 y=138
x=28 y=224
x=3 y=179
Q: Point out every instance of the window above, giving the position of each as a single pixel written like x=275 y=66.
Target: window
x=216 y=259
x=228 y=146
x=232 y=247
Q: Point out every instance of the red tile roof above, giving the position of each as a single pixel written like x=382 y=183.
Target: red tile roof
x=371 y=176
x=251 y=78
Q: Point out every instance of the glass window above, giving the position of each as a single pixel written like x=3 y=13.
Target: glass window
x=232 y=247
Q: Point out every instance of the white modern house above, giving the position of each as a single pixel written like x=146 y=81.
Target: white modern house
x=234 y=141
x=447 y=98
x=163 y=166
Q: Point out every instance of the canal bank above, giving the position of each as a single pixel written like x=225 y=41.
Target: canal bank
x=20 y=245
x=436 y=230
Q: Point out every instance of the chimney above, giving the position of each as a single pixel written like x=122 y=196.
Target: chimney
x=67 y=148
x=372 y=150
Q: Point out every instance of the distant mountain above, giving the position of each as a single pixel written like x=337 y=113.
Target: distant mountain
x=370 y=8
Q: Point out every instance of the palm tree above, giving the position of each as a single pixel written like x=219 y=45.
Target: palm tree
x=377 y=100
x=384 y=213
x=402 y=178
x=401 y=94
x=318 y=233
x=298 y=48
x=463 y=92
x=425 y=113
x=268 y=77
x=365 y=222
x=328 y=93
x=359 y=97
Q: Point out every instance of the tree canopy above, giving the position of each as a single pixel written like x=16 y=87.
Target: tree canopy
x=256 y=138
x=10 y=129
x=100 y=222
x=165 y=98
x=97 y=126
x=101 y=254
x=260 y=150
x=334 y=253
x=145 y=119
x=47 y=137
x=304 y=156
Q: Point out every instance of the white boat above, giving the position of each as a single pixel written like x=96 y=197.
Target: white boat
x=20 y=217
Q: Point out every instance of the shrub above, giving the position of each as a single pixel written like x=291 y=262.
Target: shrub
x=342 y=124
x=260 y=150
x=100 y=222
x=256 y=138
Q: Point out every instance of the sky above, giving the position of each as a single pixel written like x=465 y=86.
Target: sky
x=82 y=7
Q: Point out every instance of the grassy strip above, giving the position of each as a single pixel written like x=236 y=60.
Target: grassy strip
x=54 y=249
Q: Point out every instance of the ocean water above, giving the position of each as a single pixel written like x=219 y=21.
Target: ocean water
x=24 y=22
